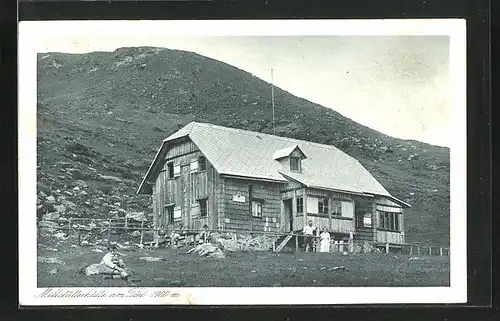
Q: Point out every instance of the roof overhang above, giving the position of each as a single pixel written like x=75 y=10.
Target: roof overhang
x=253 y=178
x=325 y=188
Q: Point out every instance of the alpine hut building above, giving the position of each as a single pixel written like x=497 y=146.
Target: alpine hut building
x=233 y=179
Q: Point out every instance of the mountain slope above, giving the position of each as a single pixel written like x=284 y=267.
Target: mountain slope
x=106 y=113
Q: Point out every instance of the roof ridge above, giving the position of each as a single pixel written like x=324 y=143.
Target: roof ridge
x=246 y=131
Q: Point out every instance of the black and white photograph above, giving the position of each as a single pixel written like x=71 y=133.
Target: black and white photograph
x=242 y=162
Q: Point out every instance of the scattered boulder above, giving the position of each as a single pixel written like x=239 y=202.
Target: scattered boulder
x=137 y=216
x=207 y=249
x=152 y=259
x=60 y=235
x=51 y=199
x=51 y=216
x=50 y=260
x=60 y=208
x=136 y=233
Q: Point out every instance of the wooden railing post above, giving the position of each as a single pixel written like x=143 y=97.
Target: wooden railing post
x=418 y=250
x=411 y=249
x=440 y=251
x=387 y=248
x=430 y=250
x=296 y=243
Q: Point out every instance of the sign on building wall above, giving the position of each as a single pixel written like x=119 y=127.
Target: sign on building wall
x=239 y=198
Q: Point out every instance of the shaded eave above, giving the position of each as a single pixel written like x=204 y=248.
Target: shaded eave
x=396 y=200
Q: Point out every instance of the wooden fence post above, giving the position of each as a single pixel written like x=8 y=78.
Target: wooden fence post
x=418 y=250
x=126 y=223
x=430 y=250
x=387 y=248
x=109 y=233
x=79 y=237
x=142 y=232
x=440 y=251
x=411 y=249
x=296 y=243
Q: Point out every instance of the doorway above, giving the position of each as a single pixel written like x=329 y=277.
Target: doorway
x=287 y=216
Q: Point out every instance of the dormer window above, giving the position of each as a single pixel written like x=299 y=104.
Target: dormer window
x=295 y=164
x=291 y=157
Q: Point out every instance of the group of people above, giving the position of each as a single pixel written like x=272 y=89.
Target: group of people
x=310 y=233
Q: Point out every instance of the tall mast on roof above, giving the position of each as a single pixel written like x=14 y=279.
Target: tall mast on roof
x=272 y=95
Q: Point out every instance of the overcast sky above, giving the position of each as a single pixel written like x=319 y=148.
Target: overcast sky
x=399 y=85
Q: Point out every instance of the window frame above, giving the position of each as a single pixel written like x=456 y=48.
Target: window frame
x=203 y=201
x=170 y=170
x=259 y=205
x=322 y=208
x=292 y=159
x=389 y=221
x=169 y=209
x=299 y=199
x=200 y=163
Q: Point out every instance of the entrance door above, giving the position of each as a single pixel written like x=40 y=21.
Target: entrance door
x=287 y=216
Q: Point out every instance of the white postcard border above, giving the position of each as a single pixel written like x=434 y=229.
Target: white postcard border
x=31 y=36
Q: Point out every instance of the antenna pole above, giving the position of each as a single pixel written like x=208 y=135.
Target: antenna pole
x=272 y=96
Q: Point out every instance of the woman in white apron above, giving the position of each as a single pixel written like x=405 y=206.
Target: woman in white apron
x=324 y=241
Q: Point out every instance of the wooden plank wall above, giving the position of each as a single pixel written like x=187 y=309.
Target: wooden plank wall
x=200 y=184
x=389 y=237
x=338 y=225
x=237 y=215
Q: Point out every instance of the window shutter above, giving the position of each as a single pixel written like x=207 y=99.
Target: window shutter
x=177 y=170
x=312 y=205
x=347 y=209
x=194 y=165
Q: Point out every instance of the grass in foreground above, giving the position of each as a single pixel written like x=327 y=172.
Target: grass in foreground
x=245 y=269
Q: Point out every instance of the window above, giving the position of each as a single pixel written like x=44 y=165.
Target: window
x=295 y=164
x=170 y=170
x=336 y=208
x=256 y=209
x=203 y=207
x=389 y=221
x=170 y=213
x=202 y=163
x=323 y=206
x=300 y=204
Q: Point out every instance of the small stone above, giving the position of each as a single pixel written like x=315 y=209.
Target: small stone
x=60 y=208
x=76 y=188
x=51 y=199
x=51 y=216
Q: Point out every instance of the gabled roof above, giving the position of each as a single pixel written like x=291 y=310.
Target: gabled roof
x=285 y=152
x=243 y=153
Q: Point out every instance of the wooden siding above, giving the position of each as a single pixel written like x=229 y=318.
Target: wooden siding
x=184 y=191
x=237 y=215
x=387 y=202
x=338 y=225
x=389 y=237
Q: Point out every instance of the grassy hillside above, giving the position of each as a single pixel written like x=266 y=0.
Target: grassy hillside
x=102 y=117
